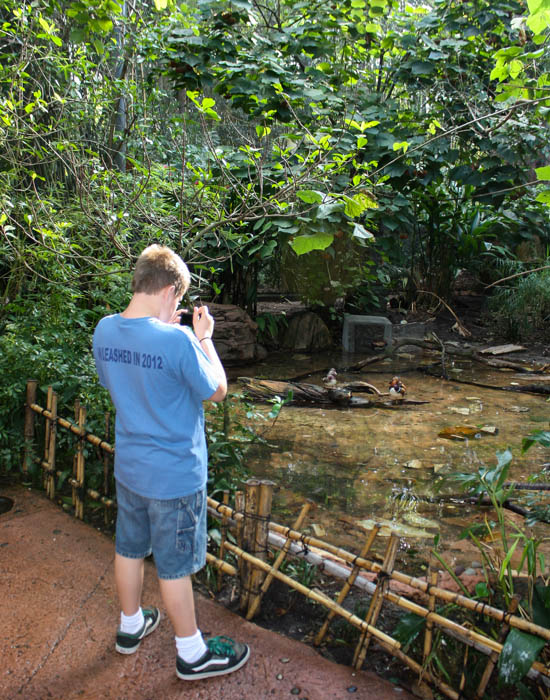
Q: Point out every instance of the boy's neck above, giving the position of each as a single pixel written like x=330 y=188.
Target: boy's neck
x=144 y=305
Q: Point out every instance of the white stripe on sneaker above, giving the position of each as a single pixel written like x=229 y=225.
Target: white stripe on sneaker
x=211 y=662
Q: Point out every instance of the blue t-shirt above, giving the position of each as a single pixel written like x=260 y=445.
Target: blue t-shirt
x=158 y=376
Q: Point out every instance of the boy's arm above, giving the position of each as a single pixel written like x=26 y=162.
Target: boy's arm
x=210 y=351
x=203 y=326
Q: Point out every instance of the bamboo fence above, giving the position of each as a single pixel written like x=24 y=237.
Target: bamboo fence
x=249 y=537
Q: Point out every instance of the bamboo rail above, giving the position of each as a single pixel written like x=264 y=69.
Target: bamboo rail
x=81 y=432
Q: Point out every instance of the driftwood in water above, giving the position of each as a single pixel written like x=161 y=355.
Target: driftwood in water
x=313 y=394
x=485 y=501
x=525 y=389
x=470 y=353
x=475 y=355
x=526 y=486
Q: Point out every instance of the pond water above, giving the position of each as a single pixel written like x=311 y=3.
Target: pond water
x=372 y=464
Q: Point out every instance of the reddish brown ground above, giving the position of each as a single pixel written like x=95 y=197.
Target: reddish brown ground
x=60 y=613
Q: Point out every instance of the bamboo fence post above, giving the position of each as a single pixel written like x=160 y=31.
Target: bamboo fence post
x=253 y=608
x=49 y=452
x=260 y=539
x=251 y=498
x=462 y=683
x=106 y=461
x=348 y=584
x=47 y=429
x=493 y=658
x=377 y=600
x=239 y=514
x=423 y=673
x=80 y=462
x=74 y=489
x=28 y=433
x=223 y=537
x=433 y=577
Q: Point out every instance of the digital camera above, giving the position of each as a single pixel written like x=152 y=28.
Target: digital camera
x=186 y=318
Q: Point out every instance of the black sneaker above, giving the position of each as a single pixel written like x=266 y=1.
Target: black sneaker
x=222 y=656
x=129 y=643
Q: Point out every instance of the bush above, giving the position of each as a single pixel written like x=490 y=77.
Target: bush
x=523 y=307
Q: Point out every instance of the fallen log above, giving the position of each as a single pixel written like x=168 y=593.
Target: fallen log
x=312 y=394
x=474 y=354
x=525 y=389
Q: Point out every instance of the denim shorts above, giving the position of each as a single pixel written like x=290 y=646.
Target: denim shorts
x=174 y=531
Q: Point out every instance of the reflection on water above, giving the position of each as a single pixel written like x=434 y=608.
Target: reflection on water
x=376 y=463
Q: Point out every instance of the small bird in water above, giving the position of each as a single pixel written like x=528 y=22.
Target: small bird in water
x=330 y=379
x=397 y=389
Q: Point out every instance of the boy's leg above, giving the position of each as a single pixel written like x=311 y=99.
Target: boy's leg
x=129 y=583
x=177 y=595
x=135 y=622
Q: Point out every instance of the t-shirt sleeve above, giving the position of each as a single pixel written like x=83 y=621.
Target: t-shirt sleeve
x=197 y=370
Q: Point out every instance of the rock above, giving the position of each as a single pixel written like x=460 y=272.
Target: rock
x=235 y=335
x=306 y=332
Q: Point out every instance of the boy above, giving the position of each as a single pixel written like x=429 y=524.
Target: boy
x=158 y=374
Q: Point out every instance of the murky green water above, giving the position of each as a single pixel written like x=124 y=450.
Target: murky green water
x=373 y=463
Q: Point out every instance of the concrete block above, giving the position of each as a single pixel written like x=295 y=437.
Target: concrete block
x=357 y=331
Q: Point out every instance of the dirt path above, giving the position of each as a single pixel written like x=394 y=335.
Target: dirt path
x=59 y=618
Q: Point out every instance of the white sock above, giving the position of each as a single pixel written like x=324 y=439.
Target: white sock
x=130 y=624
x=190 y=649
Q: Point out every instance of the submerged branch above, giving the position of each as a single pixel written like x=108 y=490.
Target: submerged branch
x=312 y=394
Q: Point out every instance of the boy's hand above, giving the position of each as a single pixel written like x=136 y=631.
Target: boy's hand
x=203 y=322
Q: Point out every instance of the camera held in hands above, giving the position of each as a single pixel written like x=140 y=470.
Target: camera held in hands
x=186 y=318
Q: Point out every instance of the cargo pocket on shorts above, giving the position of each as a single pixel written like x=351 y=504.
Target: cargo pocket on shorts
x=187 y=535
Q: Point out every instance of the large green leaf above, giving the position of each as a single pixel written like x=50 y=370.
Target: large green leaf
x=541 y=605
x=519 y=652
x=310 y=196
x=542 y=437
x=315 y=241
x=543 y=173
x=408 y=628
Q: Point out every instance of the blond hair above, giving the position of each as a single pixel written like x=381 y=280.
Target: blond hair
x=158 y=267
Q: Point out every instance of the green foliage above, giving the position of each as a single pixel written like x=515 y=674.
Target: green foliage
x=520 y=649
x=522 y=305
x=270 y=327
x=229 y=433
x=259 y=142
x=541 y=437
